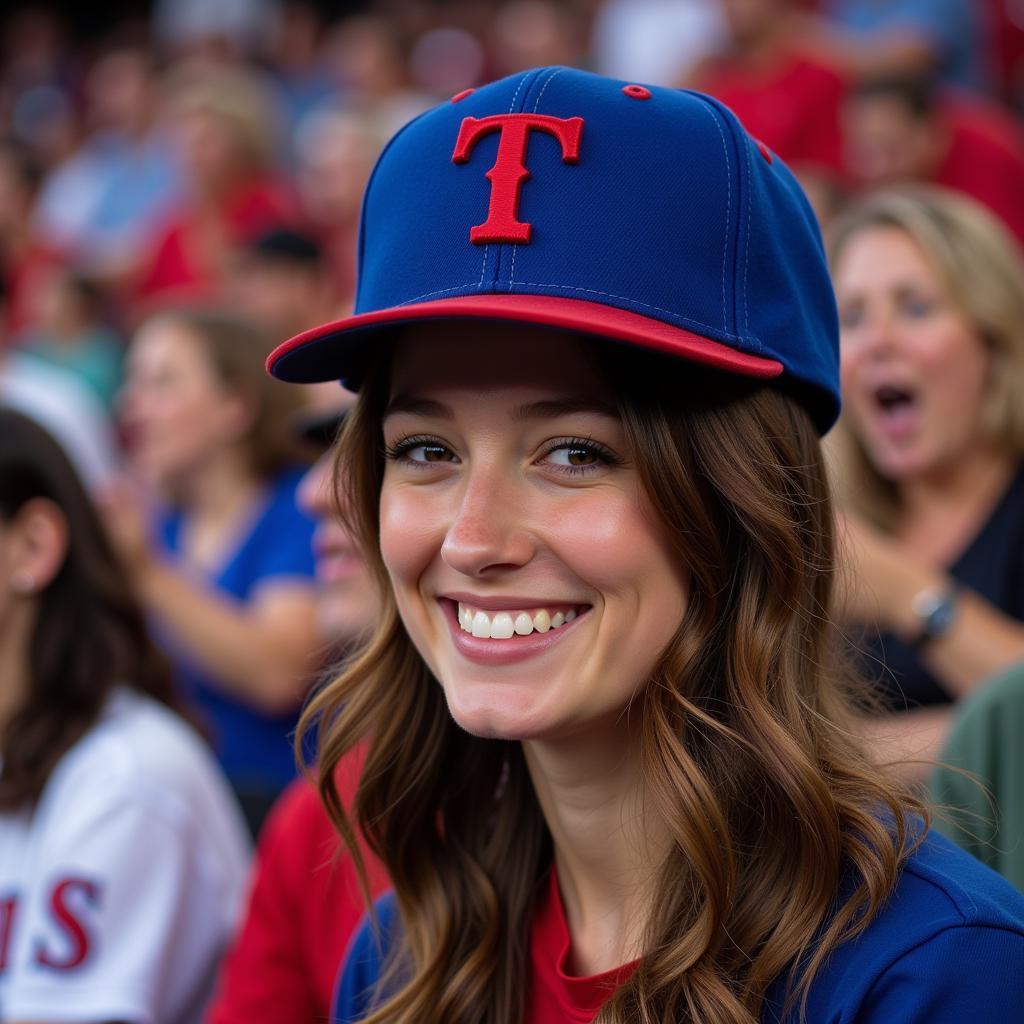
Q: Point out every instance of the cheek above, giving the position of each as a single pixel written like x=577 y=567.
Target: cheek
x=623 y=552
x=411 y=533
x=958 y=366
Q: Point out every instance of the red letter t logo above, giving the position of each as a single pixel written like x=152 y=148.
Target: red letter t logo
x=509 y=170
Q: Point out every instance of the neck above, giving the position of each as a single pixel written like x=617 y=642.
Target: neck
x=218 y=487
x=974 y=481
x=606 y=847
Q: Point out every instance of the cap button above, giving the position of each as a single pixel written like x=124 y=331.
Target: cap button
x=462 y=95
x=637 y=92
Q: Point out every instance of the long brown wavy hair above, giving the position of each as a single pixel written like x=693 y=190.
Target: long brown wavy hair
x=90 y=632
x=745 y=731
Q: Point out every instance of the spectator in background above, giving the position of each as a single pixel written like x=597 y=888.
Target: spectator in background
x=228 y=579
x=232 y=29
x=366 y=56
x=305 y=902
x=70 y=334
x=26 y=263
x=101 y=205
x=533 y=34
x=948 y=38
x=787 y=97
x=63 y=405
x=226 y=139
x=122 y=853
x=336 y=148
x=37 y=76
x=295 y=64
x=904 y=129
x=282 y=283
x=930 y=451
x=655 y=41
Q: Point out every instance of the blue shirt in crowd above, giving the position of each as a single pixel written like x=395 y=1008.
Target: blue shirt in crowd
x=254 y=748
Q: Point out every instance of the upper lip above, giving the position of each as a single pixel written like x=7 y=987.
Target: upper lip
x=508 y=602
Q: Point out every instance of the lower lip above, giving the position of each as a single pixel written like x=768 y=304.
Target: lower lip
x=485 y=651
x=900 y=423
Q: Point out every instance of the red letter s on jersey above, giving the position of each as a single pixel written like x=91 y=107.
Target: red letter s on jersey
x=76 y=935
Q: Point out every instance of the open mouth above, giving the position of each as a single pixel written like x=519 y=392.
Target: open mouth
x=893 y=400
x=512 y=624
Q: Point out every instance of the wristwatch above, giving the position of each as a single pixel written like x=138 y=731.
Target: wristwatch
x=935 y=609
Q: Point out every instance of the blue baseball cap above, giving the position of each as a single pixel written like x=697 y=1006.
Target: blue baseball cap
x=564 y=199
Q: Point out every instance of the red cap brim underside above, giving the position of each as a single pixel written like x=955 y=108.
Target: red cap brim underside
x=329 y=352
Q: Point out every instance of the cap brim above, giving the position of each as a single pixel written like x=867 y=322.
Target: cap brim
x=337 y=351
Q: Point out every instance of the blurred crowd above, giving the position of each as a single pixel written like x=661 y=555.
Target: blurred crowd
x=180 y=190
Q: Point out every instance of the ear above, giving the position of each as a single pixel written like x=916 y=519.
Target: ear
x=39 y=535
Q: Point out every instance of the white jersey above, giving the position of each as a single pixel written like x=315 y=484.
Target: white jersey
x=120 y=892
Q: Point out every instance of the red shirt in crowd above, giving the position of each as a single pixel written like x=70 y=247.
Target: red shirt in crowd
x=188 y=258
x=303 y=908
x=985 y=158
x=556 y=996
x=793 y=105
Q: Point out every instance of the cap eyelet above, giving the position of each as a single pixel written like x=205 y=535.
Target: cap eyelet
x=462 y=95
x=637 y=92
x=764 y=151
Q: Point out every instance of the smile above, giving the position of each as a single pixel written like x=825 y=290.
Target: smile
x=504 y=625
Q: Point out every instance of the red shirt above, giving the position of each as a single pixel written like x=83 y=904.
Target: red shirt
x=985 y=158
x=187 y=260
x=557 y=997
x=303 y=908
x=793 y=107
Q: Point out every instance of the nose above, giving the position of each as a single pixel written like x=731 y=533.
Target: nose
x=488 y=533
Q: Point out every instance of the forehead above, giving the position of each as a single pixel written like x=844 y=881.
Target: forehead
x=489 y=358
x=882 y=253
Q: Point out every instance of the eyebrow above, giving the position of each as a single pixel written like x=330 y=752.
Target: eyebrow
x=543 y=409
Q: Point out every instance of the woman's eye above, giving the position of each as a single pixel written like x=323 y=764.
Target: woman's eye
x=428 y=453
x=578 y=456
x=850 y=317
x=574 y=457
x=420 y=452
x=918 y=307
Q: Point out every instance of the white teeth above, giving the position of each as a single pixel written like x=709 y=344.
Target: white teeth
x=501 y=626
x=505 y=625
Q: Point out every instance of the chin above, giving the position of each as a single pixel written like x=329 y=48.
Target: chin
x=901 y=466
x=500 y=718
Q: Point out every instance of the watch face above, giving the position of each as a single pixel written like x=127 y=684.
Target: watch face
x=936 y=609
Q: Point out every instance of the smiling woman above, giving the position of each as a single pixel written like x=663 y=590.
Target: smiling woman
x=610 y=767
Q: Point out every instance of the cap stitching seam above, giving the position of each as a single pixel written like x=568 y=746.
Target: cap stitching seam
x=746 y=240
x=574 y=288
x=487 y=247
x=728 y=210
x=515 y=248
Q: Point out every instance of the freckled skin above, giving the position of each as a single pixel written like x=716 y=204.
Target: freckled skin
x=500 y=515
